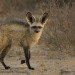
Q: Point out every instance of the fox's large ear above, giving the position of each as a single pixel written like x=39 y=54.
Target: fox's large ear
x=44 y=18
x=30 y=18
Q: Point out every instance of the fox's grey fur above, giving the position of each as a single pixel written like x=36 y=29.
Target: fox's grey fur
x=20 y=33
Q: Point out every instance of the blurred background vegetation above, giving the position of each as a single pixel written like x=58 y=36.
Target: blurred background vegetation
x=59 y=32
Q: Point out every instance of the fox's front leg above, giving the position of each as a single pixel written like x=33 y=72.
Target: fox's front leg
x=23 y=61
x=26 y=52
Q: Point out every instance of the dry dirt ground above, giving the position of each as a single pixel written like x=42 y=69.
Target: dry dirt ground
x=45 y=62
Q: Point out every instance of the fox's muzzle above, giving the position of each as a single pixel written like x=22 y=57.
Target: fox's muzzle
x=36 y=31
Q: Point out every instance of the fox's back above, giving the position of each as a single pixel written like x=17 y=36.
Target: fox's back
x=15 y=30
x=14 y=26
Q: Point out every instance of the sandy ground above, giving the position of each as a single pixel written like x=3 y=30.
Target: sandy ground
x=45 y=62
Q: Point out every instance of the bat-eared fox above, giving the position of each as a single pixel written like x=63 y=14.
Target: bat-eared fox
x=25 y=34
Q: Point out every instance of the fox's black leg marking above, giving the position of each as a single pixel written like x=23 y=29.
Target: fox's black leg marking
x=3 y=54
x=6 y=67
x=27 y=56
x=23 y=61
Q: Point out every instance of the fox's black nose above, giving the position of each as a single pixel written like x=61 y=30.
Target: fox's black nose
x=36 y=31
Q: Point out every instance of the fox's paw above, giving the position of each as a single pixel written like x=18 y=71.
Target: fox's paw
x=31 y=68
x=22 y=61
x=7 y=67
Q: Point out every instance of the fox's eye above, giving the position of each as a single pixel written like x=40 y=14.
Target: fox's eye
x=39 y=27
x=34 y=27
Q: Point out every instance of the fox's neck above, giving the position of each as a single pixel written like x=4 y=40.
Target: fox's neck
x=36 y=36
x=33 y=38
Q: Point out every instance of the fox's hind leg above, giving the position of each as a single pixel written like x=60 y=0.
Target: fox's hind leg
x=3 y=54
